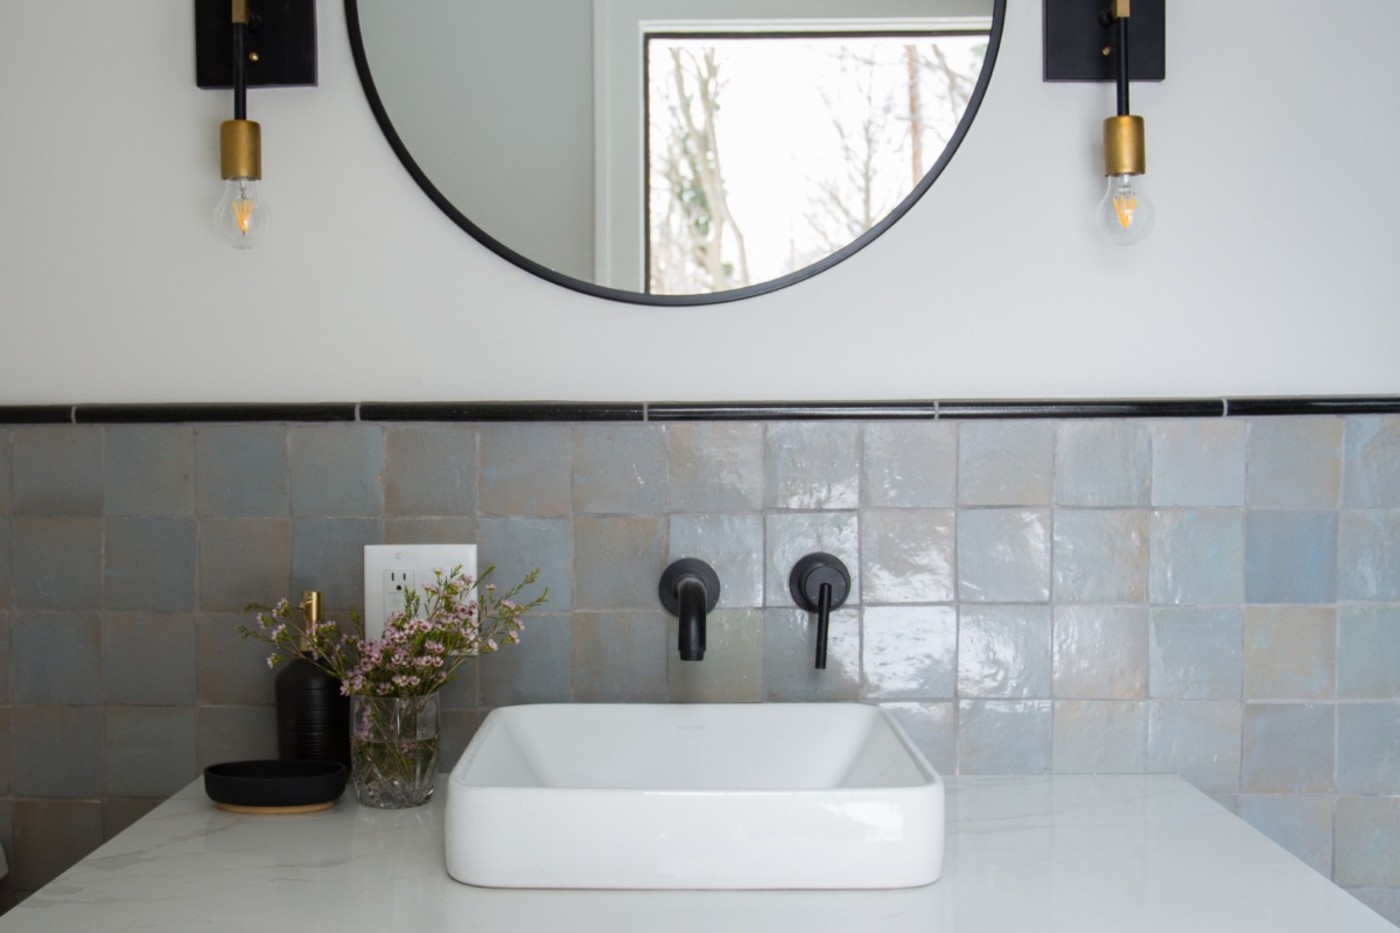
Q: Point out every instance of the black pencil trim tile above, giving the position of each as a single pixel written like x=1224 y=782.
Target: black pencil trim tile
x=501 y=411
x=36 y=414
x=1145 y=408
x=211 y=413
x=1378 y=405
x=692 y=411
x=778 y=411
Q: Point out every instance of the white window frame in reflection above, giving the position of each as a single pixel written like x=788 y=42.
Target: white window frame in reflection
x=620 y=31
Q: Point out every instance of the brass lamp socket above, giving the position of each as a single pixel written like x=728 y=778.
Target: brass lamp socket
x=240 y=149
x=1124 y=146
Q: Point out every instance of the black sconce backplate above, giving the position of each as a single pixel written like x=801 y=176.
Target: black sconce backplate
x=1078 y=31
x=281 y=33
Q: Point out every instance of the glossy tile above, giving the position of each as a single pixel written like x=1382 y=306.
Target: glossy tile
x=538 y=670
x=6 y=470
x=1368 y=748
x=337 y=469
x=812 y=465
x=1372 y=462
x=620 y=468
x=1368 y=652
x=909 y=652
x=1194 y=653
x=149 y=563
x=7 y=598
x=525 y=470
x=149 y=750
x=618 y=561
x=1290 y=652
x=715 y=467
x=1100 y=736
x=328 y=555
x=515 y=546
x=1366 y=853
x=731 y=544
x=430 y=470
x=1198 y=463
x=150 y=469
x=1100 y=652
x=1004 y=736
x=1198 y=740
x=233 y=670
x=149 y=660
x=932 y=727
x=53 y=751
x=789 y=657
x=793 y=535
x=56 y=470
x=620 y=657
x=909 y=465
x=241 y=470
x=234 y=733
x=1197 y=557
x=1368 y=555
x=1003 y=555
x=1004 y=651
x=1294 y=462
x=1288 y=748
x=428 y=530
x=242 y=561
x=56 y=563
x=49 y=837
x=56 y=658
x=732 y=671
x=1290 y=556
x=1100 y=555
x=907 y=555
x=1301 y=824
x=1005 y=462
x=1103 y=463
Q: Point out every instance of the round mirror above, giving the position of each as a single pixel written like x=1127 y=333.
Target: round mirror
x=675 y=151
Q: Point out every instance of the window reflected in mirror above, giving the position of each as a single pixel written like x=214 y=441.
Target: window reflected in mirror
x=862 y=117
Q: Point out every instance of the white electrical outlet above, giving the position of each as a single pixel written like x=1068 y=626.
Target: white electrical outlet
x=392 y=570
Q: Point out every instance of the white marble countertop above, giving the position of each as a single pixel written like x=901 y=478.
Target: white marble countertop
x=1117 y=854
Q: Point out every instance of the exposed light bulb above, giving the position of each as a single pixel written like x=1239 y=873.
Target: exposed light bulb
x=242 y=217
x=1126 y=213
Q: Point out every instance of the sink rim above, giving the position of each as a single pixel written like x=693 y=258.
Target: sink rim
x=700 y=838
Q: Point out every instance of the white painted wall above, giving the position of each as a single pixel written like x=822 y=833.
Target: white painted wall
x=1273 y=268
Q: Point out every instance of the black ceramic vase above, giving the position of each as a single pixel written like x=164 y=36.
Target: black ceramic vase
x=313 y=719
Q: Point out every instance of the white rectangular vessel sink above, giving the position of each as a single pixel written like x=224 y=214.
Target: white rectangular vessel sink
x=763 y=795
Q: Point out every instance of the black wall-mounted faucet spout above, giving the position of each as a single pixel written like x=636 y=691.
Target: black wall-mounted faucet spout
x=689 y=589
x=820 y=583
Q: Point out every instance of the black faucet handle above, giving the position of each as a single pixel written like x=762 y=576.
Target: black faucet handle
x=820 y=583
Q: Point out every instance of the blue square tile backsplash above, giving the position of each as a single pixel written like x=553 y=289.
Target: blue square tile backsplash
x=1213 y=597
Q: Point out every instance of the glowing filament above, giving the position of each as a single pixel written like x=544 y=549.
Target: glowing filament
x=1125 y=205
x=243 y=214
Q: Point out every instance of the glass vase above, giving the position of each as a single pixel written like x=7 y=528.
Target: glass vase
x=393 y=749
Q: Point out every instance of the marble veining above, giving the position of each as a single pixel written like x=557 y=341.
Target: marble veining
x=1121 y=853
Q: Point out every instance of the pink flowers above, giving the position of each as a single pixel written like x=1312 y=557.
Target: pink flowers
x=423 y=644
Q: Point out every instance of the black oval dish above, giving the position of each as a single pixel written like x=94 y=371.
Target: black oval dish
x=282 y=786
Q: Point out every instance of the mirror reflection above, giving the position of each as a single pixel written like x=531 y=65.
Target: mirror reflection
x=674 y=150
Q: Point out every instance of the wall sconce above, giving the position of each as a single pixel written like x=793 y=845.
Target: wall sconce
x=1086 y=40
x=242 y=44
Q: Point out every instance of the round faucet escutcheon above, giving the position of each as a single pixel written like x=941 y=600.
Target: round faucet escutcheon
x=689 y=588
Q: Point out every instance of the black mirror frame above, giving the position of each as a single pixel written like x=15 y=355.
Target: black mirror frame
x=357 y=47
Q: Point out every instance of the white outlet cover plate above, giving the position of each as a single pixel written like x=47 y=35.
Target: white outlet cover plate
x=421 y=559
